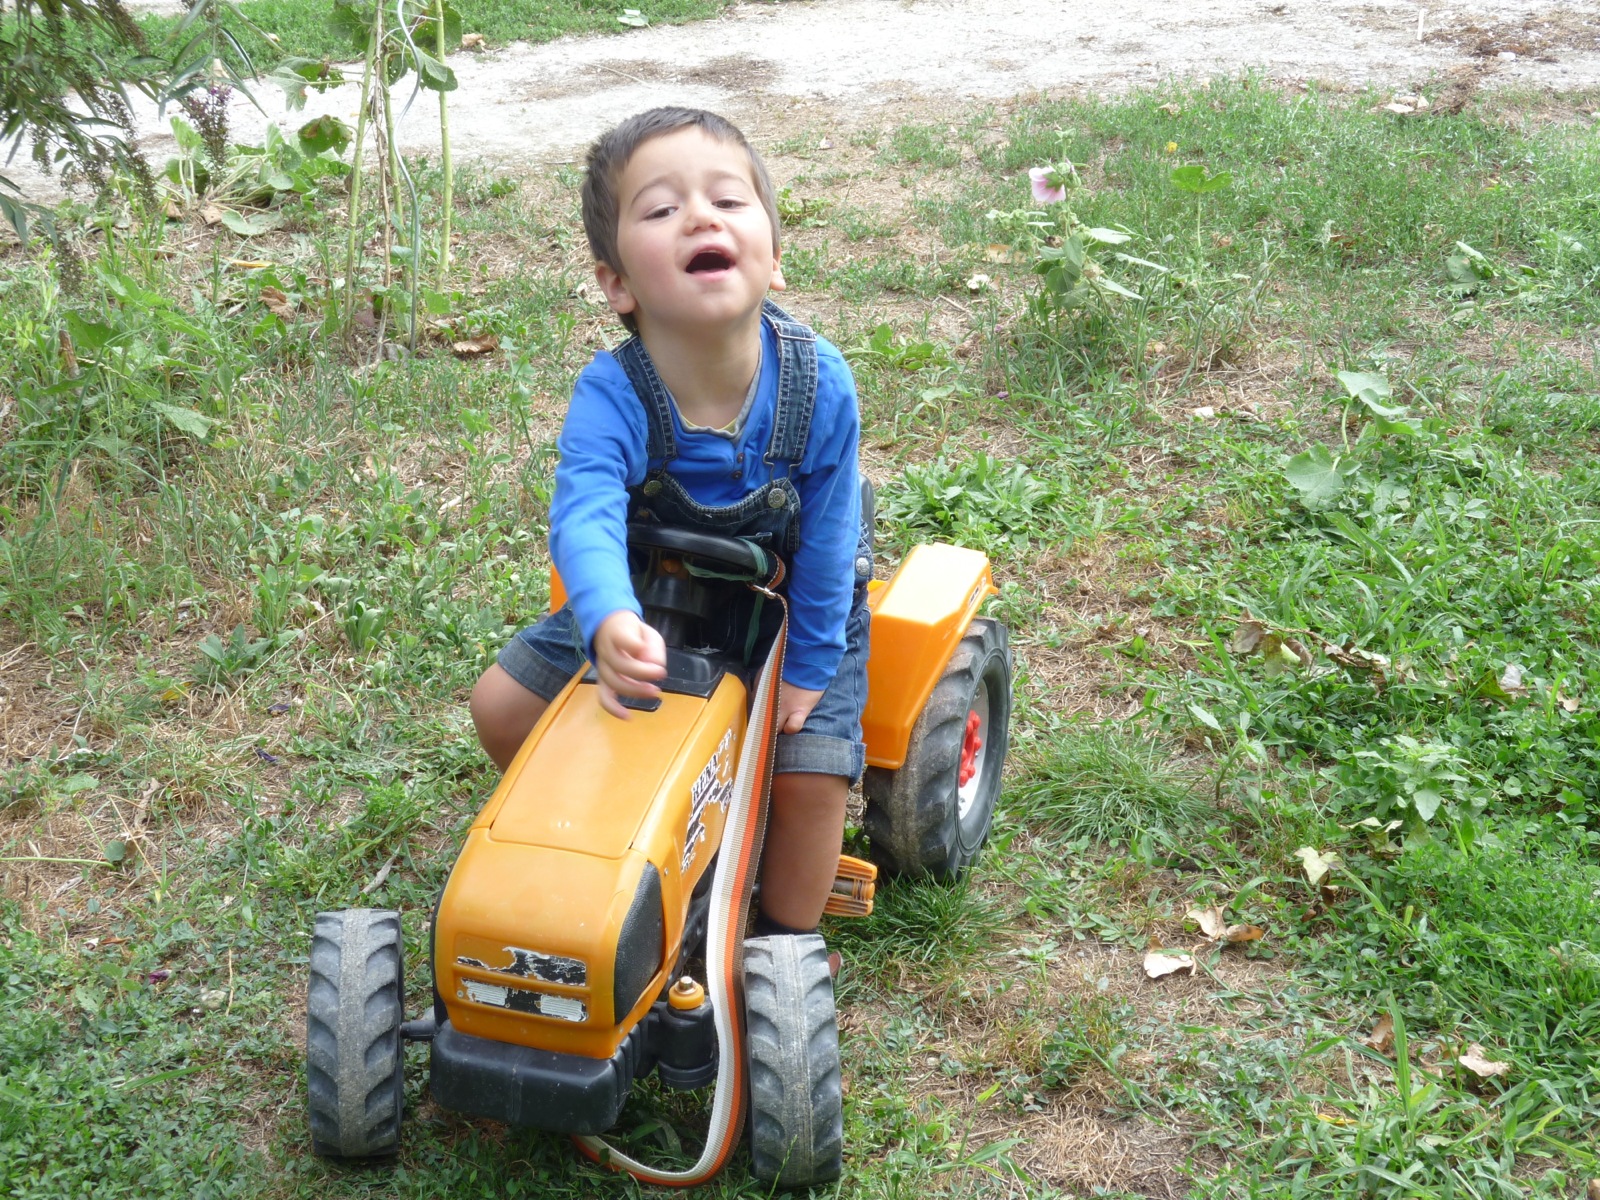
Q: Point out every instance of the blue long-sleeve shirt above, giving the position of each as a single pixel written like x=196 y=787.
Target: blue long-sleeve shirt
x=602 y=448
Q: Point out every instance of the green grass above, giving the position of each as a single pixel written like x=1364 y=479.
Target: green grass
x=246 y=583
x=304 y=30
x=1104 y=785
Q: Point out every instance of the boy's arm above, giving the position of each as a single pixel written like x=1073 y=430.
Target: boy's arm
x=602 y=447
x=824 y=576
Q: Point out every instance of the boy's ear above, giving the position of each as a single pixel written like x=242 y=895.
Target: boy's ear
x=616 y=289
x=777 y=283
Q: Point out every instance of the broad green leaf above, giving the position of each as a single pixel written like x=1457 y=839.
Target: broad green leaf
x=435 y=75
x=1365 y=383
x=1397 y=428
x=1109 y=237
x=88 y=335
x=348 y=20
x=1388 y=412
x=1194 y=180
x=1425 y=802
x=16 y=215
x=187 y=421
x=634 y=18
x=252 y=224
x=1319 y=476
x=1205 y=718
x=327 y=132
x=116 y=852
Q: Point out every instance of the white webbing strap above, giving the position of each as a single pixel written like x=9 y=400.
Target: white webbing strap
x=737 y=860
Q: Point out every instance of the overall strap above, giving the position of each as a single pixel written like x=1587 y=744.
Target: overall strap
x=660 y=445
x=797 y=386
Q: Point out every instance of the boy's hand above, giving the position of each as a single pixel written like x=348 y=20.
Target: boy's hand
x=629 y=657
x=794 y=706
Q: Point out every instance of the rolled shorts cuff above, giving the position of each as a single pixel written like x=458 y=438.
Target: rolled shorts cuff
x=820 y=754
x=533 y=670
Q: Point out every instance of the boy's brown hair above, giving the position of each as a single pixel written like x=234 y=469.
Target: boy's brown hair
x=610 y=155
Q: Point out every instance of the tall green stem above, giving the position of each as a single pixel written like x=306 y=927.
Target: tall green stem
x=355 y=177
x=444 y=152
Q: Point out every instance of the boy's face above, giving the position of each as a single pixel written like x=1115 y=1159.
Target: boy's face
x=694 y=240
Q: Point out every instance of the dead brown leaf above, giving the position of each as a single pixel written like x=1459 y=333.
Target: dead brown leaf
x=1248 y=636
x=486 y=343
x=1216 y=928
x=472 y=41
x=211 y=214
x=1594 y=1189
x=1477 y=1060
x=1381 y=1038
x=1511 y=681
x=1160 y=963
x=1172 y=110
x=1316 y=863
x=999 y=252
x=1210 y=920
x=277 y=303
x=1569 y=703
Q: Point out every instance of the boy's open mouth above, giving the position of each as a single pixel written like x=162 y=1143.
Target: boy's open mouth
x=710 y=260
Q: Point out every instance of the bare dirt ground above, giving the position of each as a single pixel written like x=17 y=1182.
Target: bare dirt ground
x=842 y=59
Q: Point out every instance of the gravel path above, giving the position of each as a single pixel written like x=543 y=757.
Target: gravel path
x=520 y=103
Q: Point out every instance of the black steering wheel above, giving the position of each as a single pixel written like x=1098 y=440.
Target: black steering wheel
x=729 y=553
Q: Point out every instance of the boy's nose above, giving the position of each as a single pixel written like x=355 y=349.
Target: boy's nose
x=702 y=214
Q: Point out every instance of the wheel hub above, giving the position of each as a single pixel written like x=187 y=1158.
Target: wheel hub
x=970 y=746
x=974 y=752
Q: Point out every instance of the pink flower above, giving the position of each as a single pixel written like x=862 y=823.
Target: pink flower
x=1048 y=186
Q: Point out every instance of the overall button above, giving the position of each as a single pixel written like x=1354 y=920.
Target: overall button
x=652 y=487
x=863 y=566
x=775 y=498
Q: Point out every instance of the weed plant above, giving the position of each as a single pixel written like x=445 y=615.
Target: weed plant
x=1101 y=784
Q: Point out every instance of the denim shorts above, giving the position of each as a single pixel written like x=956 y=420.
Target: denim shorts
x=543 y=657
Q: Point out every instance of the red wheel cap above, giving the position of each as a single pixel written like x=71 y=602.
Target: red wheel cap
x=970 y=745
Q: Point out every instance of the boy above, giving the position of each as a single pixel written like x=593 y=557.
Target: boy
x=723 y=413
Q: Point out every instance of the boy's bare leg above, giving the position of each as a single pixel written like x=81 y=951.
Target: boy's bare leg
x=505 y=713
x=805 y=830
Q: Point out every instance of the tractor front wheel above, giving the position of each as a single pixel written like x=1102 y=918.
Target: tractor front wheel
x=797 y=1106
x=354 y=1078
x=932 y=814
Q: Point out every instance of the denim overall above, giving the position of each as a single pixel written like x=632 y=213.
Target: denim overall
x=830 y=742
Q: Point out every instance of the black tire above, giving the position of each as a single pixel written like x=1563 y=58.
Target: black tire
x=796 y=1103
x=354 y=1080
x=920 y=818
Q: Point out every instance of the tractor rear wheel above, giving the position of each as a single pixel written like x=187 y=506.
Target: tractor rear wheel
x=932 y=814
x=354 y=1078
x=797 y=1106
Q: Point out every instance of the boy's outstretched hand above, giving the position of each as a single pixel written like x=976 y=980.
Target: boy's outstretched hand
x=629 y=657
x=794 y=706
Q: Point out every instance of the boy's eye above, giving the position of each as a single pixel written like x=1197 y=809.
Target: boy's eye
x=730 y=202
x=660 y=210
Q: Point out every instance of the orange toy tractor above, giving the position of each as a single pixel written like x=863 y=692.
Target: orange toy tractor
x=614 y=863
